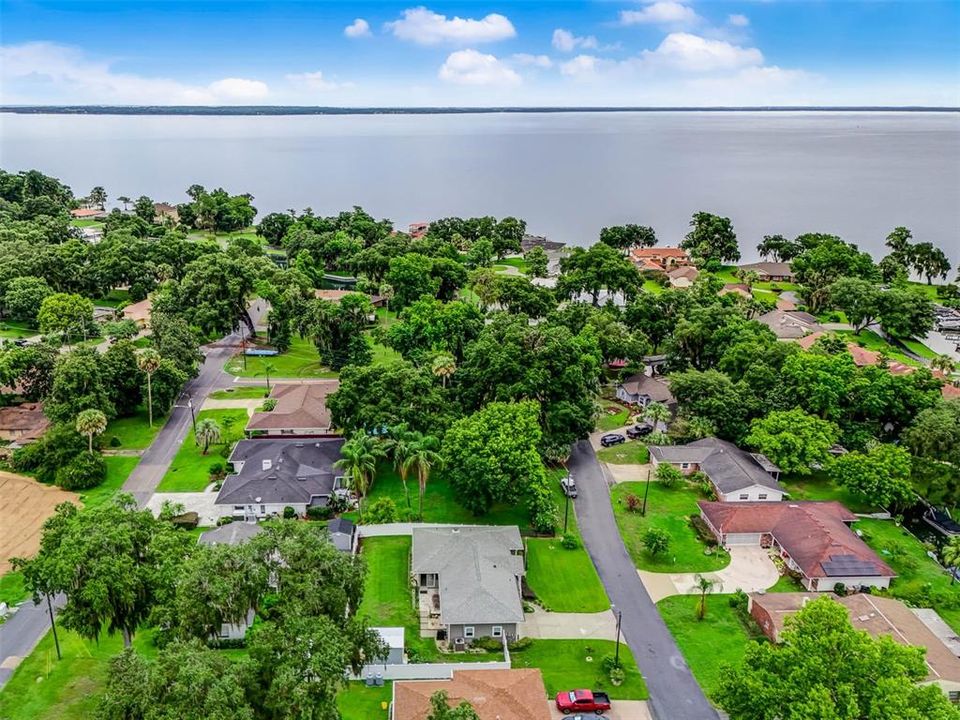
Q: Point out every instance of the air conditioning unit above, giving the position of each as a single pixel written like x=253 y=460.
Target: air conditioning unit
x=458 y=642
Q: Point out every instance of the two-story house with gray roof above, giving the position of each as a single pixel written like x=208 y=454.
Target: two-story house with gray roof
x=736 y=475
x=469 y=580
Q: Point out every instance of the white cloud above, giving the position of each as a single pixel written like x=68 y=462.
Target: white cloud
x=426 y=27
x=469 y=67
x=42 y=72
x=738 y=20
x=357 y=29
x=540 y=61
x=566 y=41
x=662 y=12
x=315 y=81
x=692 y=53
x=769 y=85
x=581 y=66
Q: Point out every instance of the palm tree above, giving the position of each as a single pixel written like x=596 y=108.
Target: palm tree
x=703 y=586
x=268 y=368
x=400 y=445
x=944 y=363
x=359 y=461
x=91 y=422
x=125 y=200
x=656 y=413
x=951 y=556
x=444 y=365
x=424 y=456
x=208 y=432
x=148 y=361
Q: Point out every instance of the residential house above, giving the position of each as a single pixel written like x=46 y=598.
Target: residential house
x=813 y=538
x=88 y=214
x=469 y=580
x=91 y=234
x=877 y=616
x=418 y=229
x=736 y=289
x=301 y=410
x=528 y=242
x=139 y=312
x=659 y=258
x=235 y=533
x=165 y=213
x=272 y=473
x=790 y=324
x=862 y=357
x=736 y=475
x=683 y=277
x=643 y=389
x=343 y=534
x=494 y=695
x=23 y=424
x=771 y=271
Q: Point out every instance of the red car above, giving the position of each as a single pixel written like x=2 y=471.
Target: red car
x=582 y=701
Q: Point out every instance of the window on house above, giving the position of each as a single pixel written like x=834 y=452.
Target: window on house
x=497 y=631
x=684 y=466
x=468 y=631
x=762 y=496
x=238 y=508
x=744 y=496
x=954 y=696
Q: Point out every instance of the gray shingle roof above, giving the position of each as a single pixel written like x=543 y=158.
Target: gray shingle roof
x=299 y=471
x=657 y=389
x=779 y=269
x=478 y=568
x=727 y=466
x=341 y=533
x=233 y=533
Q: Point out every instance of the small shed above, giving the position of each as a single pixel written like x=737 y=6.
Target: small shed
x=393 y=637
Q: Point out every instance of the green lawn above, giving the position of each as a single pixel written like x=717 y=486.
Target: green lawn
x=134 y=433
x=871 y=341
x=119 y=468
x=612 y=420
x=720 y=638
x=652 y=286
x=565 y=666
x=915 y=571
x=113 y=298
x=16 y=330
x=632 y=452
x=301 y=360
x=12 y=590
x=920 y=349
x=786 y=583
x=190 y=469
x=87 y=223
x=241 y=392
x=359 y=702
x=42 y=688
x=564 y=580
x=381 y=353
x=819 y=486
x=669 y=510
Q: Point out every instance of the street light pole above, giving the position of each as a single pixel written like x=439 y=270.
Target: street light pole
x=566 y=513
x=53 y=624
x=646 y=491
x=616 y=654
x=193 y=417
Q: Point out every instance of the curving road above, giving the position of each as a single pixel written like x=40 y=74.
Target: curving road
x=674 y=694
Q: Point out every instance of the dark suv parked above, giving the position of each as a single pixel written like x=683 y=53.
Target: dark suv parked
x=612 y=439
x=639 y=431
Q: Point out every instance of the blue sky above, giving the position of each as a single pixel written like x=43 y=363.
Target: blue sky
x=483 y=52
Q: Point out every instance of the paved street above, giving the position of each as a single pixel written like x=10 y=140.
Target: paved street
x=674 y=694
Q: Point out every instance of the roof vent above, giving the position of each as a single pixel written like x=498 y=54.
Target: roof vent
x=455 y=531
x=298 y=445
x=301 y=478
x=266 y=464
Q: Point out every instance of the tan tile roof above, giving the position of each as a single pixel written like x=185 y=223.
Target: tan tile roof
x=658 y=252
x=138 y=311
x=27 y=420
x=336 y=296
x=494 y=695
x=878 y=616
x=950 y=392
x=689 y=272
x=814 y=534
x=87 y=213
x=299 y=406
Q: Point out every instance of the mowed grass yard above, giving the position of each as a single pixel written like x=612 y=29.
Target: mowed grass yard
x=565 y=666
x=12 y=330
x=241 y=392
x=134 y=433
x=43 y=688
x=908 y=557
x=190 y=469
x=632 y=452
x=721 y=638
x=612 y=417
x=670 y=510
x=300 y=360
x=359 y=702
x=819 y=486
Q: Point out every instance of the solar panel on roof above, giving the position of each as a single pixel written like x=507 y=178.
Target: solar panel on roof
x=848 y=566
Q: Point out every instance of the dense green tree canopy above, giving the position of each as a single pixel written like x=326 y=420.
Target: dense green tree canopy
x=711 y=237
x=881 y=476
x=430 y=325
x=795 y=441
x=626 y=237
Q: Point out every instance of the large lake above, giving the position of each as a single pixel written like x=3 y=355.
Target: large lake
x=854 y=174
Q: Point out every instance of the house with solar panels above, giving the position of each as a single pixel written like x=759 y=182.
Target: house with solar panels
x=813 y=538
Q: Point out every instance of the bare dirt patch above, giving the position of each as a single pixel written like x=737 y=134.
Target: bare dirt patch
x=24 y=505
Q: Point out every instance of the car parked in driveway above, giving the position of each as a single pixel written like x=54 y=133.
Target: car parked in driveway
x=569 y=486
x=581 y=701
x=639 y=431
x=612 y=439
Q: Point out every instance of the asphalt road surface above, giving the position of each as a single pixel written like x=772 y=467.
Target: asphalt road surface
x=674 y=693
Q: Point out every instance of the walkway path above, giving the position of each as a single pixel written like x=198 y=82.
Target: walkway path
x=750 y=570
x=674 y=693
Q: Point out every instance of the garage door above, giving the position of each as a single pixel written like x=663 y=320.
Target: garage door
x=743 y=538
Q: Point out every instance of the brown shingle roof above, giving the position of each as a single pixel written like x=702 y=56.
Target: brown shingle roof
x=814 y=534
x=299 y=407
x=25 y=422
x=878 y=616
x=138 y=311
x=657 y=252
x=494 y=695
x=689 y=272
x=336 y=296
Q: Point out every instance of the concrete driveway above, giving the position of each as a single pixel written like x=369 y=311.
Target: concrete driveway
x=570 y=626
x=619 y=710
x=202 y=503
x=750 y=570
x=629 y=473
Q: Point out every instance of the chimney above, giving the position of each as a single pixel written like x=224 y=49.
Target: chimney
x=266 y=464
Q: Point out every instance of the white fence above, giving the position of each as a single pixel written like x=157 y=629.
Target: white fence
x=427 y=671
x=402 y=528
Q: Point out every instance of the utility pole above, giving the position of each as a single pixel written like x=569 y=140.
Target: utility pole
x=566 y=512
x=616 y=654
x=243 y=346
x=53 y=624
x=646 y=491
x=193 y=416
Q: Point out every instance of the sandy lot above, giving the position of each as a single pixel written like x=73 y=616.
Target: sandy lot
x=24 y=505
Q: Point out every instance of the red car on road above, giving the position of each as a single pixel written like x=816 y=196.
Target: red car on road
x=582 y=701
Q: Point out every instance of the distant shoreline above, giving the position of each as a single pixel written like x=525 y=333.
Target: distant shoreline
x=279 y=110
